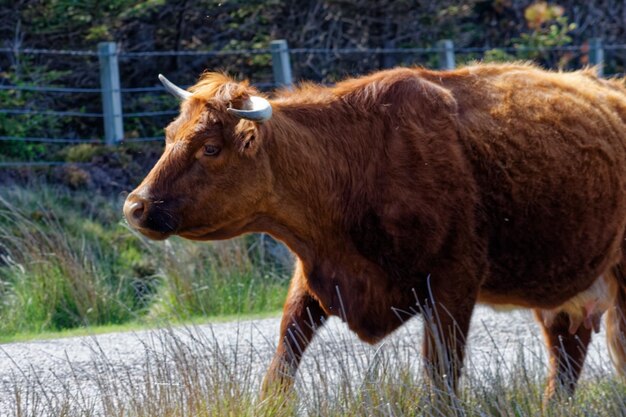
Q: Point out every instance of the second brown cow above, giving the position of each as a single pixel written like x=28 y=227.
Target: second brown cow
x=413 y=190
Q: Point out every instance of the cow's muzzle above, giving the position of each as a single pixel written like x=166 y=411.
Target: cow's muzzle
x=153 y=218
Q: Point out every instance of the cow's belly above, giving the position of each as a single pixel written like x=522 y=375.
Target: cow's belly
x=583 y=309
x=533 y=280
x=543 y=253
x=552 y=292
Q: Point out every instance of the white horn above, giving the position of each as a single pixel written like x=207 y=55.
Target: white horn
x=258 y=110
x=173 y=89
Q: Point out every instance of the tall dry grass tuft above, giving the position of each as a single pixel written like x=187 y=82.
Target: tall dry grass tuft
x=193 y=371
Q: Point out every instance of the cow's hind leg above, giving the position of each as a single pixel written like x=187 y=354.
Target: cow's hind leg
x=302 y=316
x=567 y=354
x=616 y=321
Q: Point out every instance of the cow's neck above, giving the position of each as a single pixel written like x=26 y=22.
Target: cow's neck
x=322 y=171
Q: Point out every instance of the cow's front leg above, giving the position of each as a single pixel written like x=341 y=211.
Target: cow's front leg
x=302 y=316
x=447 y=310
x=567 y=353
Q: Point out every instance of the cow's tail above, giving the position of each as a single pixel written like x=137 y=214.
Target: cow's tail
x=616 y=322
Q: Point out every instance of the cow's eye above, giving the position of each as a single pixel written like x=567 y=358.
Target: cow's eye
x=210 y=150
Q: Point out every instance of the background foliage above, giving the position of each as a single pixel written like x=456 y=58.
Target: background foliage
x=219 y=25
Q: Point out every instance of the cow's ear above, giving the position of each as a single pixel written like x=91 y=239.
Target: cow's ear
x=247 y=137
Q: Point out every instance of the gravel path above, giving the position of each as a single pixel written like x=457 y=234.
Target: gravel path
x=44 y=370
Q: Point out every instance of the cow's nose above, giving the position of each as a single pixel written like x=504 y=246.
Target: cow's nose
x=135 y=209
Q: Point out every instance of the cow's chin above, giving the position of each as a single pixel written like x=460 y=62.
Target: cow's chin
x=191 y=234
x=222 y=232
x=208 y=234
x=154 y=234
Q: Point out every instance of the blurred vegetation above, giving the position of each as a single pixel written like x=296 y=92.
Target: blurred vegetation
x=67 y=260
x=29 y=125
x=548 y=31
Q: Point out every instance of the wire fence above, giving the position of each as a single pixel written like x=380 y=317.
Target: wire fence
x=130 y=118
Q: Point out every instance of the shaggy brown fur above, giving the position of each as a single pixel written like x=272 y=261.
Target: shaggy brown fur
x=414 y=190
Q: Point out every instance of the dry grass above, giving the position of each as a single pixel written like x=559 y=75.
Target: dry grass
x=188 y=372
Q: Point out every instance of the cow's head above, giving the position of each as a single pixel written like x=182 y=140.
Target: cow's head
x=213 y=178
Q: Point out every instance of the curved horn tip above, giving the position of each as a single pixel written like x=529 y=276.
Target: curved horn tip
x=173 y=89
x=261 y=110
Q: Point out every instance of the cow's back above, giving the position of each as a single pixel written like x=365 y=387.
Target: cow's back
x=548 y=152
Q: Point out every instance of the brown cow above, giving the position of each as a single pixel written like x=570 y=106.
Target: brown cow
x=413 y=190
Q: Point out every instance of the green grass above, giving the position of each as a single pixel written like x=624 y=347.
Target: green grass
x=67 y=260
x=133 y=326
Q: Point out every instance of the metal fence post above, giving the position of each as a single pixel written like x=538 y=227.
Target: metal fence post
x=446 y=54
x=281 y=64
x=596 y=55
x=111 y=94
